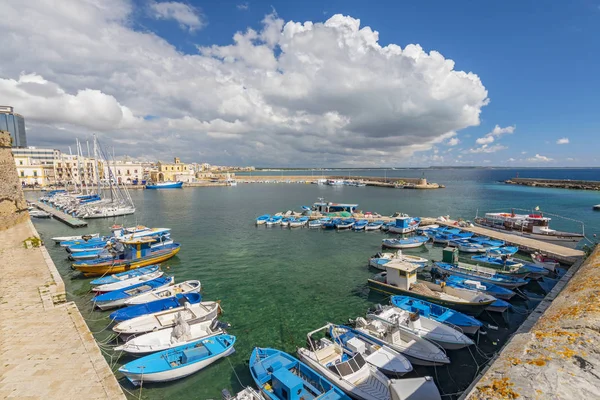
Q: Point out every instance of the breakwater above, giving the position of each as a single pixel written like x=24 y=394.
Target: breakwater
x=555 y=183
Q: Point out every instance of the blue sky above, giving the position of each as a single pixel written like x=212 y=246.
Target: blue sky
x=538 y=62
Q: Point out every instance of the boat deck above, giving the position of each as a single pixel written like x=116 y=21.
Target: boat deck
x=528 y=245
x=61 y=216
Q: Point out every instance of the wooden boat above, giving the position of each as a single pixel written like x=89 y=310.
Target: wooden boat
x=419 y=351
x=297 y=223
x=138 y=310
x=483 y=274
x=179 y=362
x=401 y=278
x=427 y=328
x=544 y=261
x=360 y=225
x=280 y=376
x=163 y=293
x=380 y=259
x=59 y=239
x=262 y=219
x=374 y=226
x=125 y=283
x=180 y=334
x=124 y=275
x=461 y=322
x=503 y=251
x=375 y=352
x=466 y=246
x=503 y=265
x=346 y=223
x=497 y=291
x=408 y=243
x=138 y=253
x=206 y=310
x=117 y=298
x=274 y=220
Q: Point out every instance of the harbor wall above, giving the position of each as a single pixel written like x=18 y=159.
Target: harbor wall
x=554 y=354
x=555 y=183
x=13 y=208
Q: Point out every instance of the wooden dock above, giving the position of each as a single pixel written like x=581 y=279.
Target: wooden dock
x=61 y=216
x=528 y=245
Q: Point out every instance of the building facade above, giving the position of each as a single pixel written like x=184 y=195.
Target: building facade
x=127 y=172
x=73 y=169
x=38 y=156
x=33 y=173
x=14 y=124
x=171 y=172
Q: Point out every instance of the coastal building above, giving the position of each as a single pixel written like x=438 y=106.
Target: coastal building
x=128 y=172
x=38 y=156
x=33 y=173
x=171 y=172
x=77 y=170
x=15 y=124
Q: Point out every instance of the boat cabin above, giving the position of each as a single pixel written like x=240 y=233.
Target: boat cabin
x=401 y=274
x=328 y=207
x=138 y=247
x=532 y=223
x=405 y=221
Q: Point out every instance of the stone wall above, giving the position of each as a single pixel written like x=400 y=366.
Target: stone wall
x=13 y=208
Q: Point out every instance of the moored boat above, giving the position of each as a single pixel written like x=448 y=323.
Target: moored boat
x=138 y=310
x=497 y=291
x=380 y=259
x=166 y=292
x=247 y=394
x=125 y=283
x=545 y=261
x=482 y=274
x=262 y=219
x=407 y=243
x=165 y=185
x=117 y=298
x=374 y=226
x=405 y=224
x=345 y=223
x=58 y=239
x=125 y=275
x=360 y=225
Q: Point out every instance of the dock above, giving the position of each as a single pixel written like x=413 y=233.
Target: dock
x=61 y=216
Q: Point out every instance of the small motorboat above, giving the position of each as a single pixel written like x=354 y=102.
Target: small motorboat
x=346 y=223
x=117 y=298
x=277 y=374
x=487 y=242
x=459 y=321
x=262 y=219
x=497 y=291
x=374 y=226
x=502 y=265
x=503 y=251
x=125 y=275
x=285 y=222
x=422 y=229
x=274 y=220
x=87 y=236
x=544 y=261
x=300 y=222
x=247 y=394
x=427 y=328
x=180 y=334
x=331 y=223
x=386 y=226
x=138 y=310
x=483 y=274
x=186 y=287
x=177 y=363
x=315 y=223
x=360 y=225
x=419 y=351
x=206 y=310
x=125 y=283
x=33 y=213
x=165 y=185
x=375 y=352
x=380 y=259
x=466 y=246
x=98 y=239
x=408 y=243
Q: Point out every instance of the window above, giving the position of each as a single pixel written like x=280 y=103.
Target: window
x=20 y=162
x=34 y=173
x=22 y=174
x=135 y=171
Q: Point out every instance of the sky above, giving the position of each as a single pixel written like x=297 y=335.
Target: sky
x=313 y=83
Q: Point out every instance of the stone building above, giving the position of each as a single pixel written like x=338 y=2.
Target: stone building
x=13 y=208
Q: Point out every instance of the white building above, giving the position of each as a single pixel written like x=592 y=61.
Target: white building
x=38 y=156
x=33 y=173
x=127 y=172
x=77 y=170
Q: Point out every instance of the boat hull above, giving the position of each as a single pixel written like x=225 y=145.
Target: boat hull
x=561 y=240
x=96 y=270
x=174 y=185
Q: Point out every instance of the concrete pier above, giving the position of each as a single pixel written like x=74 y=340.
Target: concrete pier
x=46 y=348
x=61 y=216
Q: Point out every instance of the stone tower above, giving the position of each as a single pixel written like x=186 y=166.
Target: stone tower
x=13 y=208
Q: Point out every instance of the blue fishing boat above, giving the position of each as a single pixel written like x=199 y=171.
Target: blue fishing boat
x=466 y=246
x=274 y=220
x=98 y=239
x=316 y=223
x=455 y=319
x=504 y=265
x=88 y=246
x=345 y=223
x=446 y=237
x=374 y=226
x=405 y=224
x=503 y=251
x=497 y=291
x=486 y=241
x=152 y=307
x=482 y=274
x=117 y=298
x=299 y=222
x=360 y=225
x=331 y=224
x=407 y=243
x=262 y=219
x=280 y=376
x=179 y=362
x=165 y=185
x=125 y=275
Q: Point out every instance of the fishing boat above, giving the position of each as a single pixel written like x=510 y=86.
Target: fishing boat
x=354 y=375
x=138 y=253
x=407 y=243
x=533 y=225
x=503 y=251
x=360 y=225
x=300 y=222
x=165 y=185
x=544 y=261
x=152 y=307
x=125 y=283
x=163 y=293
x=180 y=334
x=192 y=313
x=533 y=271
x=325 y=207
x=386 y=226
x=380 y=259
x=427 y=328
x=459 y=321
x=422 y=229
x=405 y=224
x=467 y=246
x=262 y=219
x=375 y=352
x=179 y=362
x=280 y=376
x=87 y=236
x=99 y=239
x=274 y=220
x=483 y=274
x=446 y=237
x=331 y=223
x=374 y=226
x=417 y=350
x=497 y=291
x=487 y=242
x=125 y=275
x=315 y=223
x=247 y=394
x=285 y=222
x=33 y=213
x=400 y=278
x=117 y=298
x=346 y=223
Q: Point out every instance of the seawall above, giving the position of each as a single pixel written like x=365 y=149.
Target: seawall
x=13 y=208
x=555 y=183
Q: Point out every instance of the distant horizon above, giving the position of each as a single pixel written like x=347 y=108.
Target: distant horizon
x=401 y=168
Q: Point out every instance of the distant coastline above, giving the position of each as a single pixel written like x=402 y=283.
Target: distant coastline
x=411 y=168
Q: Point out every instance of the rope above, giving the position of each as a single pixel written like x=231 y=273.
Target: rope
x=233 y=369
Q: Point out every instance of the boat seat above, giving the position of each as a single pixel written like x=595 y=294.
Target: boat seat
x=194 y=354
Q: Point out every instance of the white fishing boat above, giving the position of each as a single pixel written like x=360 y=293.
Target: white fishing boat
x=33 y=213
x=87 y=236
x=192 y=313
x=545 y=261
x=419 y=351
x=427 y=328
x=180 y=334
x=123 y=284
x=247 y=394
x=171 y=291
x=380 y=259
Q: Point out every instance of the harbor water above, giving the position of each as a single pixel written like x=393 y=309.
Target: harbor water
x=275 y=284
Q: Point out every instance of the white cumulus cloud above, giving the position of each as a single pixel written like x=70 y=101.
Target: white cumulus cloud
x=487 y=149
x=495 y=133
x=187 y=16
x=539 y=158
x=290 y=93
x=243 y=6
x=563 y=141
x=453 y=141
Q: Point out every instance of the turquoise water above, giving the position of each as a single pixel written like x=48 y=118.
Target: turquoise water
x=275 y=285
